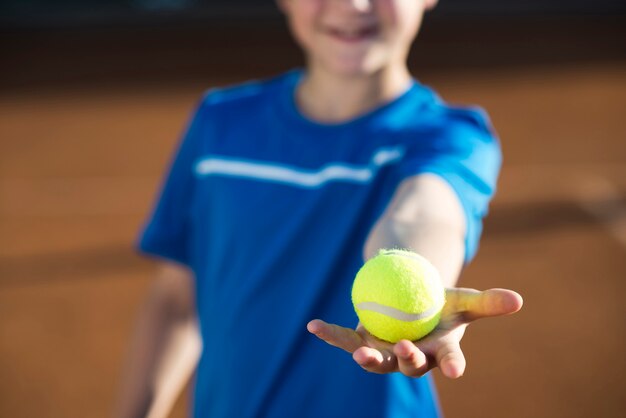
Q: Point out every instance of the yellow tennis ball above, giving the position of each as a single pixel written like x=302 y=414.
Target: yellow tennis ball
x=398 y=295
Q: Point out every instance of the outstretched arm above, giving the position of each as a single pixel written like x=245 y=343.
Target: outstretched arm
x=425 y=216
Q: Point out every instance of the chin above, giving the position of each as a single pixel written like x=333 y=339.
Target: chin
x=359 y=68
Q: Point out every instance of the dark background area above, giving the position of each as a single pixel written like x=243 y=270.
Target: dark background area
x=93 y=98
x=81 y=12
x=118 y=41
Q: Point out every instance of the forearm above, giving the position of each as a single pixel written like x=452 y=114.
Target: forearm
x=426 y=217
x=163 y=353
x=439 y=243
x=177 y=362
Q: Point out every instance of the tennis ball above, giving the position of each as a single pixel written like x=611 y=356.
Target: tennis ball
x=398 y=295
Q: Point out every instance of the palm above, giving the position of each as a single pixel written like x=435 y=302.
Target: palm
x=440 y=348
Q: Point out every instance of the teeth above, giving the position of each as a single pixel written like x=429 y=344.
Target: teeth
x=351 y=32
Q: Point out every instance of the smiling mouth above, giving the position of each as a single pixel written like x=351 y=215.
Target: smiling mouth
x=353 y=35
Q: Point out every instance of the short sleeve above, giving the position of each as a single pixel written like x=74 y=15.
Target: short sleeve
x=166 y=232
x=466 y=153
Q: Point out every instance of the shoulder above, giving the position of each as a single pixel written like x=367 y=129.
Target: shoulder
x=462 y=122
x=454 y=138
x=431 y=122
x=243 y=96
x=236 y=111
x=462 y=131
x=469 y=134
x=468 y=122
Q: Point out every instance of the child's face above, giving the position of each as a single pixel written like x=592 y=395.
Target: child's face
x=355 y=37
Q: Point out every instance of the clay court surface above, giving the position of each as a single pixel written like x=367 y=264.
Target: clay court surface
x=80 y=164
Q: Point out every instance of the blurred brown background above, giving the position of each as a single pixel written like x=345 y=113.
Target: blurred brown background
x=89 y=115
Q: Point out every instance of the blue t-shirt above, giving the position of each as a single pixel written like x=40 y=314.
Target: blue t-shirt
x=271 y=211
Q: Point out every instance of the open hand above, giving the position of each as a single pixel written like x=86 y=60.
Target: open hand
x=441 y=348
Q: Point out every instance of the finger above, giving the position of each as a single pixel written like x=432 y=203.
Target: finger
x=375 y=361
x=411 y=361
x=474 y=304
x=344 y=338
x=451 y=360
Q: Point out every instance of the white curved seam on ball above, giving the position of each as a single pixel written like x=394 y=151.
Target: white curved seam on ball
x=397 y=313
x=404 y=254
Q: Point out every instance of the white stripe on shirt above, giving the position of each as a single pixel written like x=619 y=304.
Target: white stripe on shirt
x=340 y=172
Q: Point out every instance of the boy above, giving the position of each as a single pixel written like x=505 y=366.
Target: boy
x=279 y=191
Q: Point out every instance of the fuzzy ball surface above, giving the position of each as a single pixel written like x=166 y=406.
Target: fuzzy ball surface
x=398 y=295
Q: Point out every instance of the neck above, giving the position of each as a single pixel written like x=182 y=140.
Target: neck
x=334 y=98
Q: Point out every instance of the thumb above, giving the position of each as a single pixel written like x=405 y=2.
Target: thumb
x=474 y=304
